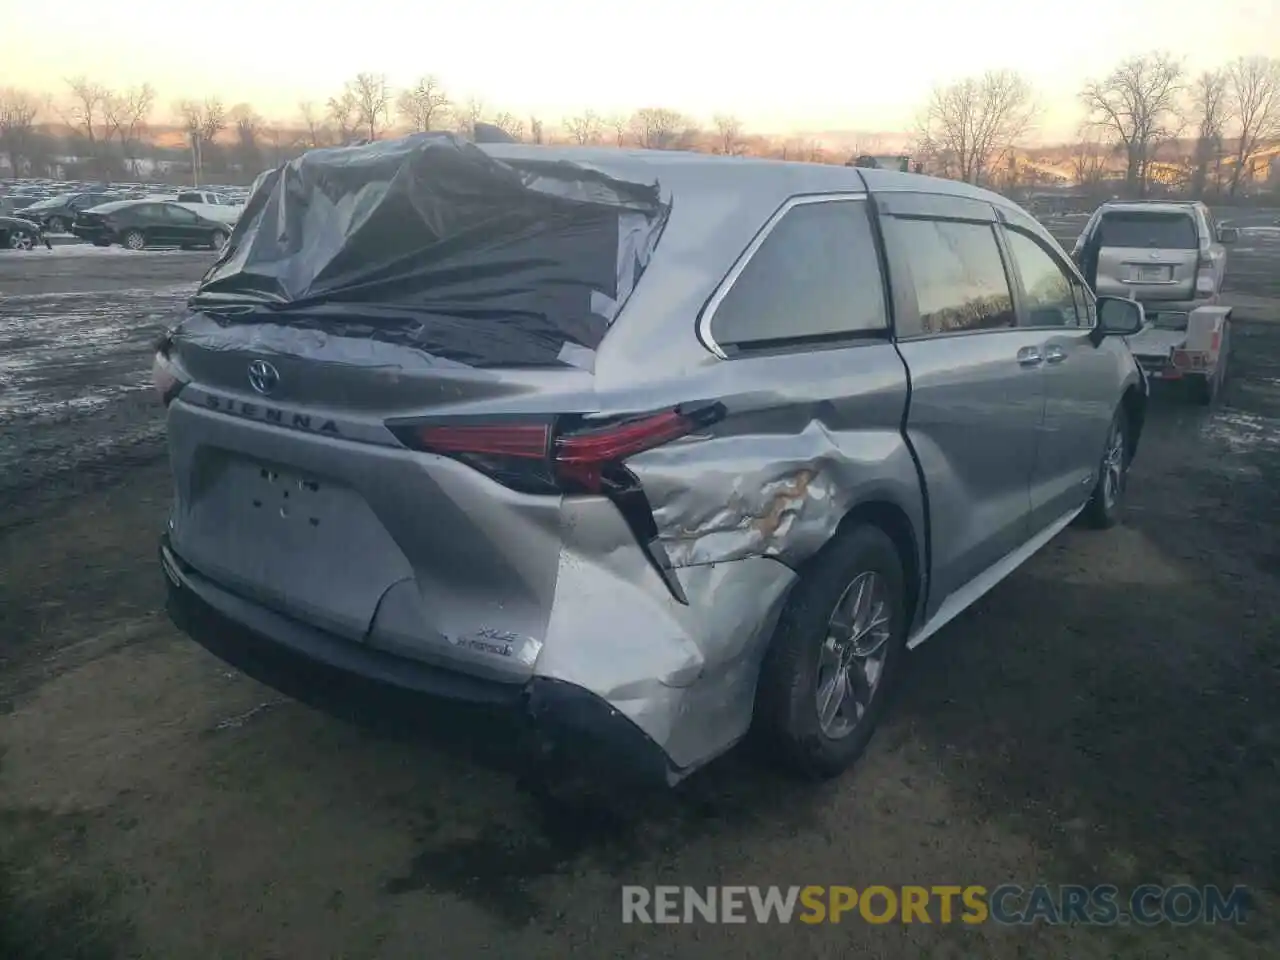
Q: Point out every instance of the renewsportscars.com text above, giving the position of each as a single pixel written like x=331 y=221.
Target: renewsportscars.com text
x=1010 y=904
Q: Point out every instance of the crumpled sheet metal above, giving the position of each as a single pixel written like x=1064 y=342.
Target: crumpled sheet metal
x=429 y=242
x=685 y=674
x=277 y=339
x=758 y=495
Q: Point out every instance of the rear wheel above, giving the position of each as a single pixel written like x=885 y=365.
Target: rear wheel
x=833 y=657
x=1104 y=507
x=21 y=240
x=57 y=225
x=135 y=240
x=218 y=239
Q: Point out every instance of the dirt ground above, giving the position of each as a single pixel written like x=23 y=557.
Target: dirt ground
x=1110 y=713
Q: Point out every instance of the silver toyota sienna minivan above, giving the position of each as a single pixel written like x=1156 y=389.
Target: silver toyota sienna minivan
x=651 y=450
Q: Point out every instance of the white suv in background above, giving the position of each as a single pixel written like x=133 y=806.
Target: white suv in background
x=1171 y=257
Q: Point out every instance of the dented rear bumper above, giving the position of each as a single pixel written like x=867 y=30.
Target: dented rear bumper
x=361 y=683
x=655 y=730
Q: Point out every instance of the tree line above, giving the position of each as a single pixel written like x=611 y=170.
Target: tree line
x=1148 y=121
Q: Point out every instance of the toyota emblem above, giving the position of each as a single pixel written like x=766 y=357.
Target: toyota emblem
x=263 y=377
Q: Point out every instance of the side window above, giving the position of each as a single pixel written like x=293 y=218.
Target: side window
x=189 y=198
x=177 y=214
x=1050 y=301
x=958 y=275
x=817 y=274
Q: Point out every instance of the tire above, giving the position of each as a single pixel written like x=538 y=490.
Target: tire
x=1106 y=503
x=20 y=240
x=57 y=225
x=801 y=658
x=218 y=239
x=134 y=240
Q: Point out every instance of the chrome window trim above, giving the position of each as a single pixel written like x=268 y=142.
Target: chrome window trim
x=709 y=312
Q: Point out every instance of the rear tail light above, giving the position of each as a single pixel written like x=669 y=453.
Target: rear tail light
x=558 y=455
x=566 y=455
x=1189 y=359
x=1205 y=283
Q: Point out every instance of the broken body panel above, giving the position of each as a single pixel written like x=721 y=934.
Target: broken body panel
x=655 y=585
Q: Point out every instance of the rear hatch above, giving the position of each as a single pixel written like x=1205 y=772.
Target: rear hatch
x=373 y=378
x=1148 y=255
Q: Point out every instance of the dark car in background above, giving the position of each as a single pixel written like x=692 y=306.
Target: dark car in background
x=19 y=234
x=137 y=224
x=56 y=214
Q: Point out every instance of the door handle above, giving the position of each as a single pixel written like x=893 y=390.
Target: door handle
x=1054 y=353
x=1030 y=357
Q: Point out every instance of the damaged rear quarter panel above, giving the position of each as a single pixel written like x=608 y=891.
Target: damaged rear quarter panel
x=808 y=437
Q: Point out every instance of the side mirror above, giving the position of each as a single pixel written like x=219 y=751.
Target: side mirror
x=1228 y=234
x=1119 y=317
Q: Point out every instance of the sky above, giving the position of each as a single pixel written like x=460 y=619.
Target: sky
x=803 y=65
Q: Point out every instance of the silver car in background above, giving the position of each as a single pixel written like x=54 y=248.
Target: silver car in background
x=1171 y=257
x=648 y=448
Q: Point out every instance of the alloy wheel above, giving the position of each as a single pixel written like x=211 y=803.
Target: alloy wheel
x=851 y=661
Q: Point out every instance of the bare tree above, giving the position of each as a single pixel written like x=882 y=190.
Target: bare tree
x=215 y=120
x=468 y=115
x=18 y=112
x=373 y=101
x=978 y=120
x=1088 y=159
x=729 y=135
x=248 y=130
x=510 y=124
x=344 y=111
x=1254 y=84
x=424 y=105
x=202 y=122
x=191 y=113
x=657 y=128
x=1137 y=105
x=85 y=116
x=620 y=124
x=585 y=128
x=1210 y=107
x=535 y=130
x=126 y=117
x=313 y=131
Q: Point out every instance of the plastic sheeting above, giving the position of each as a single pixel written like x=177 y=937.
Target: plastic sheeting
x=429 y=242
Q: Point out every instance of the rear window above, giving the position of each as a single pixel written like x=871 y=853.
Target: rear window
x=1168 y=230
x=189 y=198
x=816 y=275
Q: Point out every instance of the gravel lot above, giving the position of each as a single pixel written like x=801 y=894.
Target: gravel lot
x=1108 y=714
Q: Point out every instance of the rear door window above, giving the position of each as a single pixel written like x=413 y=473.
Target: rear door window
x=957 y=274
x=816 y=276
x=1175 y=231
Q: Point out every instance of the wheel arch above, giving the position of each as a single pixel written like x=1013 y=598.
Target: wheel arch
x=1134 y=404
x=892 y=520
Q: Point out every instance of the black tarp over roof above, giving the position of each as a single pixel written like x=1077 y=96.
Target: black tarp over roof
x=430 y=242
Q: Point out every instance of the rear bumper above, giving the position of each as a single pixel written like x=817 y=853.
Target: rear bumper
x=92 y=233
x=359 y=683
